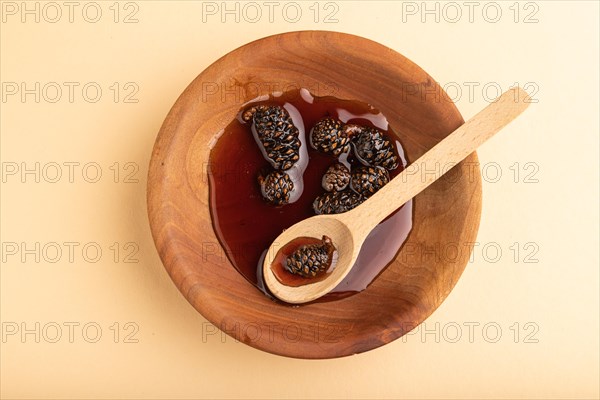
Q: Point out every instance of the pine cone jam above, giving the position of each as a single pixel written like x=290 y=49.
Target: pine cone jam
x=289 y=157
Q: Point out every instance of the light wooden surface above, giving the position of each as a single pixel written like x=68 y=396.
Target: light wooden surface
x=546 y=196
x=327 y=63
x=349 y=230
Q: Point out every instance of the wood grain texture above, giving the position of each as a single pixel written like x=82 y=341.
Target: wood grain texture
x=349 y=67
x=349 y=230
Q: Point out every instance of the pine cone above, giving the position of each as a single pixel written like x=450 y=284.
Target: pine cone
x=328 y=136
x=372 y=148
x=368 y=180
x=337 y=202
x=276 y=131
x=336 y=178
x=276 y=187
x=312 y=259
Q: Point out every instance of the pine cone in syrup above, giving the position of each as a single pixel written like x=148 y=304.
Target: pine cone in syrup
x=337 y=202
x=336 y=178
x=368 y=180
x=276 y=187
x=328 y=136
x=277 y=133
x=372 y=148
x=310 y=260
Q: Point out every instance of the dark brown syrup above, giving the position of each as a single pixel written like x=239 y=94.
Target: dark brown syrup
x=246 y=224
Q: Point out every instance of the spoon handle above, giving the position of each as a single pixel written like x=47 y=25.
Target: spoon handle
x=437 y=161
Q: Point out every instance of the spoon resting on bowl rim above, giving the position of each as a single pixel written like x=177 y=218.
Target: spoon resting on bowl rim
x=349 y=230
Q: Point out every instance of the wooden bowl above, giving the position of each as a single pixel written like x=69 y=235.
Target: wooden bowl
x=446 y=215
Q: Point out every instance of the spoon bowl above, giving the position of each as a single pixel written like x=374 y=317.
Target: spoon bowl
x=335 y=227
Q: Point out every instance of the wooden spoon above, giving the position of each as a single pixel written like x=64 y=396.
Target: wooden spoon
x=349 y=230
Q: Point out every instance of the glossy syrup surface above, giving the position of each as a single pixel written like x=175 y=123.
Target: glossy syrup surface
x=246 y=224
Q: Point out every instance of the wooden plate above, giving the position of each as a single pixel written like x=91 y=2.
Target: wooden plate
x=446 y=215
